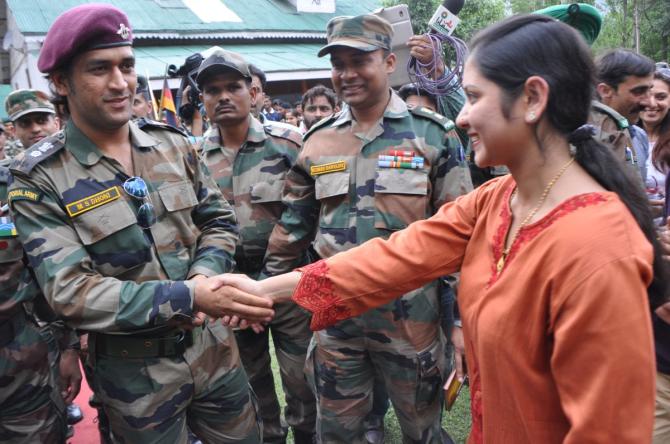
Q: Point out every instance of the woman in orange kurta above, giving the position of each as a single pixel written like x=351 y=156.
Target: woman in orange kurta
x=555 y=260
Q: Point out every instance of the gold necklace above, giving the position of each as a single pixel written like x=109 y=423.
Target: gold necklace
x=531 y=213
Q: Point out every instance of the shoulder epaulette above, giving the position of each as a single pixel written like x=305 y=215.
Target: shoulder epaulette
x=284 y=133
x=321 y=123
x=446 y=123
x=148 y=124
x=4 y=174
x=38 y=152
x=621 y=122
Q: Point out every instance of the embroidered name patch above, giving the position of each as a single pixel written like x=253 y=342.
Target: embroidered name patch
x=94 y=201
x=332 y=167
x=24 y=194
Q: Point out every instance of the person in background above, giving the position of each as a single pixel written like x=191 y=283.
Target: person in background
x=142 y=107
x=33 y=115
x=291 y=117
x=655 y=121
x=623 y=82
x=365 y=172
x=3 y=143
x=249 y=162
x=318 y=102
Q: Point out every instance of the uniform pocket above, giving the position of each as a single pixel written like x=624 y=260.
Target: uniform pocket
x=177 y=196
x=401 y=197
x=265 y=192
x=430 y=365
x=112 y=238
x=332 y=191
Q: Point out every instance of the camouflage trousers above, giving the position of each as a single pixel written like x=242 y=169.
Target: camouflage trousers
x=156 y=400
x=402 y=345
x=291 y=336
x=31 y=408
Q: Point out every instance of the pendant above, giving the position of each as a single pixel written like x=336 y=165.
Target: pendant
x=501 y=262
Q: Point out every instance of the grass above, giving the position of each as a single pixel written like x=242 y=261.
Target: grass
x=456 y=422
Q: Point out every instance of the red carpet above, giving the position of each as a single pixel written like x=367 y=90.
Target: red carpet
x=86 y=431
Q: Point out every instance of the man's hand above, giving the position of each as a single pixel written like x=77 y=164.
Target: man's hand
x=421 y=48
x=70 y=375
x=216 y=299
x=459 y=351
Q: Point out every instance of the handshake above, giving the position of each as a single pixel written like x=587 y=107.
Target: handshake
x=239 y=300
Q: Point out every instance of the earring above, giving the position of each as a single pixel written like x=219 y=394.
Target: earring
x=531 y=116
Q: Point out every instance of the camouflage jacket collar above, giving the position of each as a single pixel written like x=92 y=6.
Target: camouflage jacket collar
x=87 y=153
x=396 y=109
x=213 y=140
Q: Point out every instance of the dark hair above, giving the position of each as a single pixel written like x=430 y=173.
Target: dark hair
x=511 y=51
x=660 y=155
x=614 y=66
x=412 y=89
x=256 y=71
x=317 y=91
x=58 y=101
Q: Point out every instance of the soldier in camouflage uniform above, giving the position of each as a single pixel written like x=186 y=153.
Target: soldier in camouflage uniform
x=366 y=172
x=123 y=225
x=31 y=407
x=33 y=115
x=249 y=162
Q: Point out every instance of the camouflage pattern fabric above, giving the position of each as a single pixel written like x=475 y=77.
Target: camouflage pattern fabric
x=611 y=129
x=24 y=101
x=104 y=274
x=252 y=178
x=366 y=32
x=337 y=197
x=31 y=409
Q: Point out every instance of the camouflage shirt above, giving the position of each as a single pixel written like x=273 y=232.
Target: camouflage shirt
x=611 y=129
x=16 y=285
x=13 y=148
x=98 y=268
x=338 y=197
x=251 y=178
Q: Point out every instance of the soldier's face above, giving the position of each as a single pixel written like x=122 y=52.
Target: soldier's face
x=227 y=98
x=100 y=87
x=361 y=78
x=33 y=127
x=141 y=107
x=659 y=102
x=315 y=110
x=630 y=97
x=498 y=137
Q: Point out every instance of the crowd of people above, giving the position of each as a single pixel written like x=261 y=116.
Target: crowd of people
x=513 y=230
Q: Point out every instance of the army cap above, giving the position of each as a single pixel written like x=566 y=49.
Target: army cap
x=366 y=32
x=26 y=101
x=583 y=17
x=80 y=29
x=221 y=60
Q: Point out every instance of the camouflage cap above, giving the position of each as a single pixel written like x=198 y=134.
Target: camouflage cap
x=222 y=60
x=366 y=32
x=26 y=101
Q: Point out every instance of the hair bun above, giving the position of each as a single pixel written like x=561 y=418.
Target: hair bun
x=582 y=134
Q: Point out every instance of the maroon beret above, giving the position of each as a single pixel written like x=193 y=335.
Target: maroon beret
x=83 y=28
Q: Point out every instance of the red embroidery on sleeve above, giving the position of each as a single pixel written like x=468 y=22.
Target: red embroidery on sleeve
x=529 y=232
x=315 y=292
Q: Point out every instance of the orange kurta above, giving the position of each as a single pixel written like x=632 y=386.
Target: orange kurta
x=559 y=344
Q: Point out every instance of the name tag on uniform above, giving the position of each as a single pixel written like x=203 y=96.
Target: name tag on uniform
x=332 y=167
x=94 y=201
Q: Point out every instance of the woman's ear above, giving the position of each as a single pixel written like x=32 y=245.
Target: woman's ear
x=536 y=92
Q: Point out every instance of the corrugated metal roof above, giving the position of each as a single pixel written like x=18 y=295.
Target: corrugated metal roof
x=275 y=57
x=158 y=17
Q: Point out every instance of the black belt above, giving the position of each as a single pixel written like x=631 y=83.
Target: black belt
x=174 y=343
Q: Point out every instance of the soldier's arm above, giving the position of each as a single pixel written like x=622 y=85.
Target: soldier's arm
x=450 y=175
x=216 y=220
x=296 y=229
x=76 y=291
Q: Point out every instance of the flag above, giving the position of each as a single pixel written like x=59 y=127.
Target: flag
x=167 y=108
x=154 y=105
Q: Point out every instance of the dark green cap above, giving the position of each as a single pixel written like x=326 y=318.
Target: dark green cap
x=366 y=32
x=584 y=18
x=26 y=101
